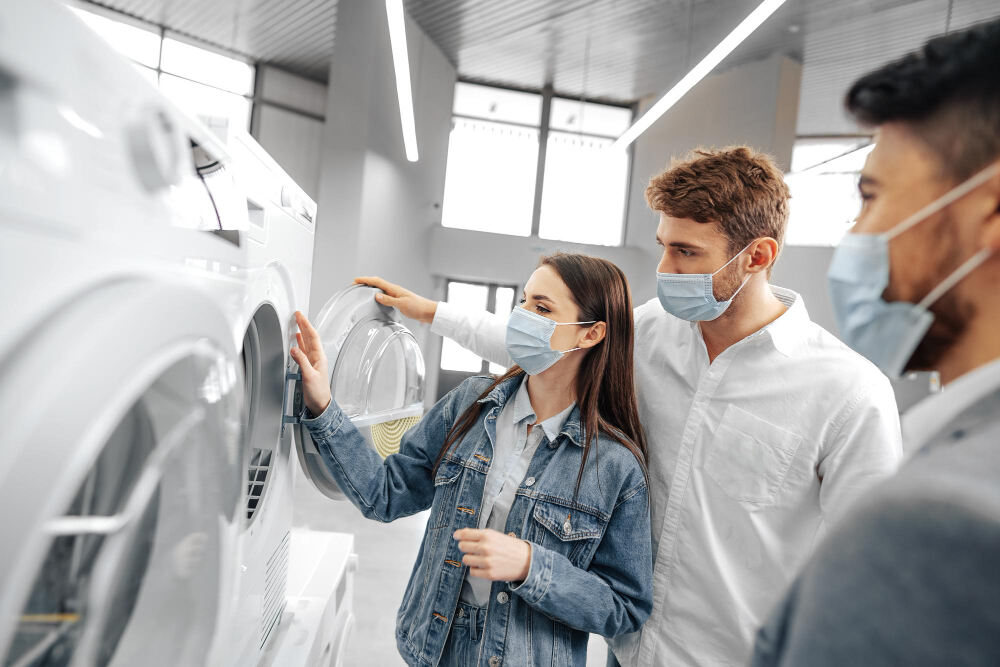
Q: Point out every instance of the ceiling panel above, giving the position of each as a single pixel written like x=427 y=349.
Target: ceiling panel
x=296 y=35
x=616 y=50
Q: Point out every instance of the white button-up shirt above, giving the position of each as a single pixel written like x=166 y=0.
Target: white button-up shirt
x=749 y=457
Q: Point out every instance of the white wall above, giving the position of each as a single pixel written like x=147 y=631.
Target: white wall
x=376 y=209
x=754 y=104
x=288 y=123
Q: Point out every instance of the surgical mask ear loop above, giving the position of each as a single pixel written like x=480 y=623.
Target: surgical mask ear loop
x=574 y=349
x=956 y=276
x=733 y=258
x=945 y=200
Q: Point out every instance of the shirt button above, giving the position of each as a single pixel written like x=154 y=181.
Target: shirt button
x=502 y=597
x=530 y=481
x=494 y=661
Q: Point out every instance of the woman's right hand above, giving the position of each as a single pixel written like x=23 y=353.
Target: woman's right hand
x=311 y=358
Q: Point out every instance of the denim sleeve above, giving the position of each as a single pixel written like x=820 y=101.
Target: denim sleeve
x=400 y=485
x=614 y=596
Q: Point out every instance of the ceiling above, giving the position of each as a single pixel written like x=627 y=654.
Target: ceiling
x=618 y=50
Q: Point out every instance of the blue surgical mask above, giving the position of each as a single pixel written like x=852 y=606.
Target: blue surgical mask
x=691 y=297
x=888 y=333
x=529 y=340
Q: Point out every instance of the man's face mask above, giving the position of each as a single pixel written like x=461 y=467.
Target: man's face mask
x=691 y=296
x=887 y=333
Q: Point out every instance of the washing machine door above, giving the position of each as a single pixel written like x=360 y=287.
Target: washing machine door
x=376 y=376
x=120 y=483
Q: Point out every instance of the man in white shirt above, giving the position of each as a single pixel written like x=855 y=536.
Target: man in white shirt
x=911 y=575
x=762 y=427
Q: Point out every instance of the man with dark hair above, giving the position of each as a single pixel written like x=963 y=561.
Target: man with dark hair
x=762 y=427
x=911 y=576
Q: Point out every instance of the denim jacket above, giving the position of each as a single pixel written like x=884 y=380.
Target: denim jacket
x=591 y=564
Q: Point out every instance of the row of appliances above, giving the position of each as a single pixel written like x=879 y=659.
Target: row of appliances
x=151 y=265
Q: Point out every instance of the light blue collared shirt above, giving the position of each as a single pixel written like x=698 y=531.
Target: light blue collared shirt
x=512 y=453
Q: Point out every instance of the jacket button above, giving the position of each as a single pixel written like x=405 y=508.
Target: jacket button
x=502 y=597
x=530 y=481
x=567 y=527
x=494 y=661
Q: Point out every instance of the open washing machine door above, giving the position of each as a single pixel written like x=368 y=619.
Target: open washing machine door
x=376 y=376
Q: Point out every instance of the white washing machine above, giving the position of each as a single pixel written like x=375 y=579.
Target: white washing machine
x=118 y=375
x=377 y=374
x=146 y=475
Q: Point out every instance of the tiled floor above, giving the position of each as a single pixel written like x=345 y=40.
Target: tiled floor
x=386 y=553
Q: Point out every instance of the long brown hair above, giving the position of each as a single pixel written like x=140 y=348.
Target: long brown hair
x=605 y=385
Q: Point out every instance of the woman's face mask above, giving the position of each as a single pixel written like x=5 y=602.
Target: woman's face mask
x=529 y=341
x=888 y=333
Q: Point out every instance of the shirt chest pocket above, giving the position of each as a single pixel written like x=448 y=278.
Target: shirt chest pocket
x=748 y=458
x=571 y=532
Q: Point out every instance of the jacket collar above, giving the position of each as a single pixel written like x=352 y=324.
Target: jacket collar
x=500 y=394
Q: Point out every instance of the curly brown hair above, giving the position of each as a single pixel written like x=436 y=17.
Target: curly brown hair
x=741 y=189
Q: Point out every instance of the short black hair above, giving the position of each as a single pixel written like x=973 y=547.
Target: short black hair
x=948 y=92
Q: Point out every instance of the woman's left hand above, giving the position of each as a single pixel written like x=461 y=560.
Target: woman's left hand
x=311 y=358
x=492 y=555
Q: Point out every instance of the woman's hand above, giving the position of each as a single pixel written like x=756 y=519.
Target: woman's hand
x=311 y=358
x=492 y=555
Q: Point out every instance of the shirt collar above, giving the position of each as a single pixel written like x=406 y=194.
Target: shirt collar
x=786 y=331
x=523 y=410
x=928 y=417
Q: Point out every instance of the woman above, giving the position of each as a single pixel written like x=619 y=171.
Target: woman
x=539 y=525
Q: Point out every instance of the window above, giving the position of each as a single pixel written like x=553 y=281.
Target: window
x=200 y=81
x=492 y=174
x=584 y=188
x=489 y=184
x=824 y=187
x=492 y=159
x=457 y=363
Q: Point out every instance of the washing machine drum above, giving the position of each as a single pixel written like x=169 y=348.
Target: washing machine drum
x=376 y=376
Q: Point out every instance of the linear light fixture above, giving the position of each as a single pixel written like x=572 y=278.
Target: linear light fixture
x=401 y=63
x=699 y=71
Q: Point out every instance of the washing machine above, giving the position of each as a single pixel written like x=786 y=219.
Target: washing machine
x=376 y=373
x=120 y=474
x=151 y=267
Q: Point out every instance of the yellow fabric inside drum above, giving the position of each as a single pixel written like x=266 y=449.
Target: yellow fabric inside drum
x=386 y=435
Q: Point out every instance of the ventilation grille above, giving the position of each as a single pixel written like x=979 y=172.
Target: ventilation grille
x=257 y=473
x=386 y=435
x=275 y=579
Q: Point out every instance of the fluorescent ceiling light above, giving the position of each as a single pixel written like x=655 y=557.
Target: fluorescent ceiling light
x=848 y=162
x=401 y=63
x=708 y=63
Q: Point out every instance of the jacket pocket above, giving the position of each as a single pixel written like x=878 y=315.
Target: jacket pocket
x=749 y=457
x=446 y=485
x=572 y=532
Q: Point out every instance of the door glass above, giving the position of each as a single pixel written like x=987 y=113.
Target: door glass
x=379 y=371
x=140 y=541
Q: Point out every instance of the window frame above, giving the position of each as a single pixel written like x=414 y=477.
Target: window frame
x=166 y=33
x=491 y=304
x=547 y=95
